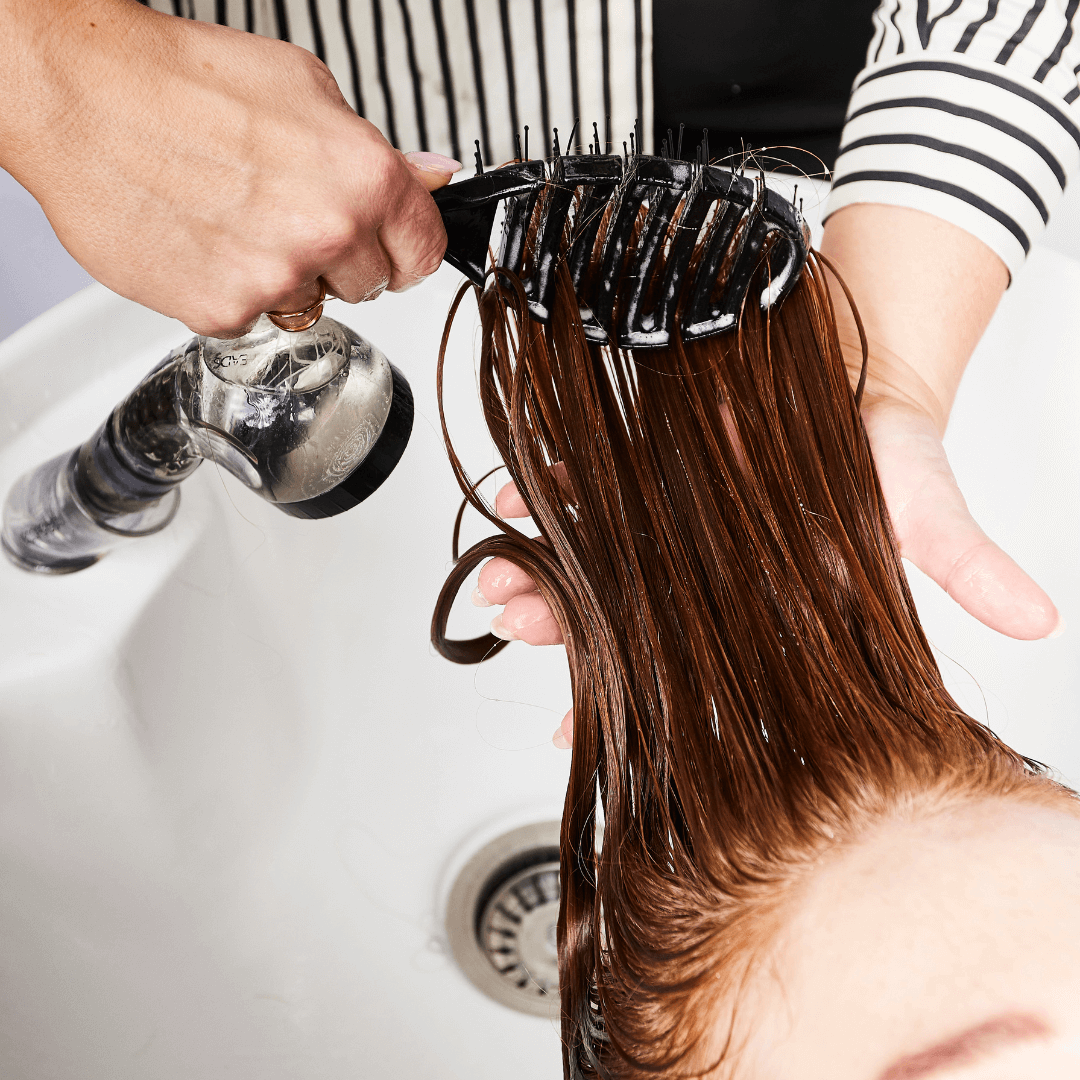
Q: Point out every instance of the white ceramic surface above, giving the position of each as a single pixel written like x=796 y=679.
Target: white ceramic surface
x=232 y=769
x=233 y=774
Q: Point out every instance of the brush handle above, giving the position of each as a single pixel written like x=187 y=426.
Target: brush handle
x=468 y=210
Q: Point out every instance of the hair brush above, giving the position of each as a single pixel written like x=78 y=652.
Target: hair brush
x=587 y=207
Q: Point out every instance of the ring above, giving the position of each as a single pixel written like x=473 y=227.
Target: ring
x=295 y=321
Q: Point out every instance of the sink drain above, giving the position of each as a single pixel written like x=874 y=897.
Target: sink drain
x=502 y=915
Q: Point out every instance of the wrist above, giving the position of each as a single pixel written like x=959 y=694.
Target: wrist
x=890 y=379
x=57 y=54
x=925 y=290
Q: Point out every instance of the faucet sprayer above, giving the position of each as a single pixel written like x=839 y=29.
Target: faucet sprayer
x=312 y=420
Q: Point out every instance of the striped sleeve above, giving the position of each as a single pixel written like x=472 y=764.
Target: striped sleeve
x=967 y=109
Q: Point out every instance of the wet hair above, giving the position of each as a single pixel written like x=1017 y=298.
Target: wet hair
x=751 y=685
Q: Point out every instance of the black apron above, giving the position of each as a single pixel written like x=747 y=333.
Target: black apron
x=770 y=72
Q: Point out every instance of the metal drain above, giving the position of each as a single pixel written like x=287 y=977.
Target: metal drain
x=501 y=919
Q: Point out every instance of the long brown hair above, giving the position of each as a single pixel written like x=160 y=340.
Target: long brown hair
x=751 y=685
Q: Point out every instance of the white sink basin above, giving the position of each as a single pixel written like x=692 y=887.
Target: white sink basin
x=232 y=769
x=233 y=772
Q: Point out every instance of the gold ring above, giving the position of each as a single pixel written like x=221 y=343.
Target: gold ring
x=295 y=321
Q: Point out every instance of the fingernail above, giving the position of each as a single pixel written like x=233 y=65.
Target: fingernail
x=1059 y=629
x=422 y=159
x=559 y=739
x=478 y=598
x=501 y=631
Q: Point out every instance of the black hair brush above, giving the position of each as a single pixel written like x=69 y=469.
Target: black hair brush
x=754 y=238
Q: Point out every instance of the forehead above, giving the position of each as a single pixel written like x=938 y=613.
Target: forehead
x=922 y=929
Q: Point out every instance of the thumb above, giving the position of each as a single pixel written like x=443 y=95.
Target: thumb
x=935 y=529
x=564 y=735
x=432 y=170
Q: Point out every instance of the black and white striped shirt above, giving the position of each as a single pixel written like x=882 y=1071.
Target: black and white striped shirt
x=437 y=74
x=967 y=109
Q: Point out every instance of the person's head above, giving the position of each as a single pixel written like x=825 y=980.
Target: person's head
x=942 y=942
x=761 y=734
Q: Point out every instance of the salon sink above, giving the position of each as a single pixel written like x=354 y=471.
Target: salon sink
x=233 y=772
x=234 y=776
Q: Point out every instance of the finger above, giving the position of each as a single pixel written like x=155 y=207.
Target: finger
x=234 y=312
x=356 y=282
x=222 y=331
x=527 y=618
x=949 y=547
x=510 y=504
x=935 y=531
x=564 y=734
x=500 y=580
x=412 y=233
x=362 y=271
x=432 y=170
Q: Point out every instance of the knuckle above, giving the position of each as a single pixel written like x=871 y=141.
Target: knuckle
x=350 y=292
x=287 y=283
x=430 y=260
x=383 y=177
x=375 y=290
x=226 y=318
x=333 y=235
x=431 y=241
x=419 y=259
x=373 y=271
x=318 y=74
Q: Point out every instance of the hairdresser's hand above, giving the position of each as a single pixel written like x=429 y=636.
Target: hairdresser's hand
x=526 y=616
x=926 y=290
x=931 y=520
x=204 y=172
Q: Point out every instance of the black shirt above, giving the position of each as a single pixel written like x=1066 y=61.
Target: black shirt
x=776 y=72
